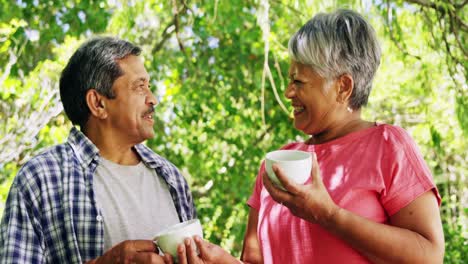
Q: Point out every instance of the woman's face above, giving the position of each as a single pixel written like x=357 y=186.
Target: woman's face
x=314 y=99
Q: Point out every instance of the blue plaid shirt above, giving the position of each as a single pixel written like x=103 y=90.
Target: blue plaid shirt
x=51 y=214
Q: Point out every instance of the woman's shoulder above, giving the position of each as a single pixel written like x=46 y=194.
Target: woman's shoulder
x=293 y=145
x=394 y=134
x=379 y=134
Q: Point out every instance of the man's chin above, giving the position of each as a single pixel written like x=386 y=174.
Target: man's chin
x=148 y=136
x=144 y=136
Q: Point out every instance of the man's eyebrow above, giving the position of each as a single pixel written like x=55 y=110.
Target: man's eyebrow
x=139 y=80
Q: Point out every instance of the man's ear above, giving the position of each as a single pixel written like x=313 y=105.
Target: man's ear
x=96 y=104
x=346 y=87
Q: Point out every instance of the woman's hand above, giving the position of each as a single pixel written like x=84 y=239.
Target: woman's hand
x=209 y=253
x=310 y=202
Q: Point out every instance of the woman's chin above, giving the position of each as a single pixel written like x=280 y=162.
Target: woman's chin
x=305 y=128
x=300 y=127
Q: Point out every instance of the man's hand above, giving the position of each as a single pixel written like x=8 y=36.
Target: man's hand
x=209 y=253
x=132 y=251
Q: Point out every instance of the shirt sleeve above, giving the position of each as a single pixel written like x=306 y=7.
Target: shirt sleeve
x=254 y=200
x=19 y=235
x=408 y=175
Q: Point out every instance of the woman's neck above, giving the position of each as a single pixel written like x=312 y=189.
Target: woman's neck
x=342 y=128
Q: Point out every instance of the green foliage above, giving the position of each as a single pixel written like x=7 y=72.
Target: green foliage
x=36 y=27
x=456 y=245
x=216 y=119
x=462 y=113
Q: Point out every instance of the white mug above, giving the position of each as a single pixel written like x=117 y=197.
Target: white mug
x=295 y=164
x=169 y=238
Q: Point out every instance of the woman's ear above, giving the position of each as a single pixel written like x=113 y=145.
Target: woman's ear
x=96 y=104
x=346 y=87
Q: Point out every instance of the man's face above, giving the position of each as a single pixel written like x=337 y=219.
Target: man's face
x=130 y=113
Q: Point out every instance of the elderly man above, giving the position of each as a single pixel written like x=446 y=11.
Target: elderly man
x=102 y=195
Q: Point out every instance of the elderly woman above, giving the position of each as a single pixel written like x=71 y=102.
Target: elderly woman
x=370 y=198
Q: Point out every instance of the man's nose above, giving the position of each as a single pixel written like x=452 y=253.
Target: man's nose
x=151 y=98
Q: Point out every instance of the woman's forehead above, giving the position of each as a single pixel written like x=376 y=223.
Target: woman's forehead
x=297 y=68
x=304 y=72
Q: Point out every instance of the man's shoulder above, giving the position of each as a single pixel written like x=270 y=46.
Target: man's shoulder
x=46 y=163
x=56 y=153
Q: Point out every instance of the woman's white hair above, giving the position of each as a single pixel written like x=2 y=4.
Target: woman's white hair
x=338 y=43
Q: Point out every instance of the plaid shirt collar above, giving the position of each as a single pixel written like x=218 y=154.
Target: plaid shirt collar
x=86 y=151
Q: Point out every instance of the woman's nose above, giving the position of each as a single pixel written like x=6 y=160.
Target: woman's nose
x=290 y=91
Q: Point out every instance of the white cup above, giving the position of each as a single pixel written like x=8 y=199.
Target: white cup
x=169 y=238
x=295 y=164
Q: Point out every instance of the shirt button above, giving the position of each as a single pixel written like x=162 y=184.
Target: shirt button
x=99 y=218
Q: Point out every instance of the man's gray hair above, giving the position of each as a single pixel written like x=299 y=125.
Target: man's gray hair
x=94 y=65
x=338 y=43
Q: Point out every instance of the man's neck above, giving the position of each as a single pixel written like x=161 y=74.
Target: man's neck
x=111 y=146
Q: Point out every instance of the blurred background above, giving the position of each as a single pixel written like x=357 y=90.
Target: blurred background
x=219 y=69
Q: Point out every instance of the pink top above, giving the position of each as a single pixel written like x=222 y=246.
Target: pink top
x=373 y=172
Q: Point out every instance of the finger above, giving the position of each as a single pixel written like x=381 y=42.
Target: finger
x=192 y=255
x=147 y=257
x=203 y=246
x=287 y=183
x=168 y=258
x=181 y=254
x=316 y=179
x=276 y=194
x=144 y=246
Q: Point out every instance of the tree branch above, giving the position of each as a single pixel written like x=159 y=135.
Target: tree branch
x=294 y=10
x=454 y=28
x=459 y=6
x=426 y=4
x=165 y=36
x=442 y=10
x=392 y=36
x=167 y=32
x=262 y=136
x=175 y=12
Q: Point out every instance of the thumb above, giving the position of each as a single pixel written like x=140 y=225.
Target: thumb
x=168 y=259
x=316 y=179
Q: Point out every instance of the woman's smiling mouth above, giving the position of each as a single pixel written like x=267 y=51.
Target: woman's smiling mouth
x=298 y=109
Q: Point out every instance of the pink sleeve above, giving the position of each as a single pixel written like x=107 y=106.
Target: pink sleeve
x=254 y=200
x=409 y=176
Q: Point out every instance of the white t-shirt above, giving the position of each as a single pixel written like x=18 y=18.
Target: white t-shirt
x=135 y=202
